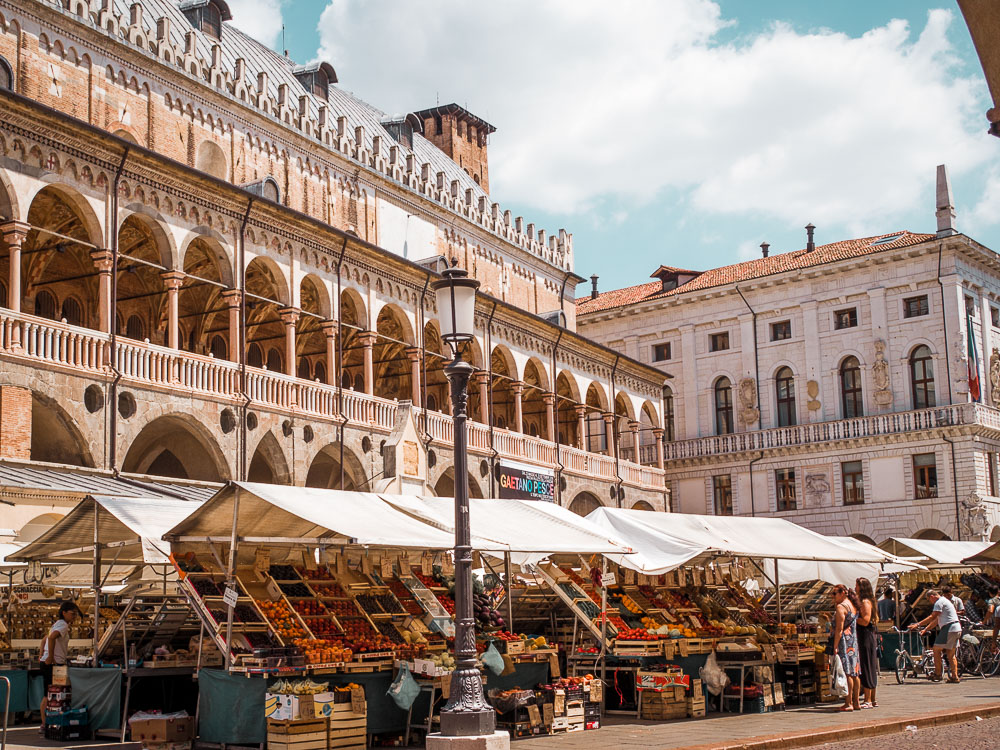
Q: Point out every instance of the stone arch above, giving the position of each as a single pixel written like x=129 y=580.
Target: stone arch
x=648 y=422
x=863 y=538
x=533 y=406
x=9 y=208
x=392 y=366
x=310 y=339
x=935 y=534
x=141 y=290
x=504 y=374
x=52 y=262
x=126 y=134
x=354 y=320
x=156 y=225
x=55 y=437
x=597 y=406
x=624 y=416
x=995 y=534
x=567 y=403
x=178 y=446
x=585 y=503
x=435 y=359
x=211 y=159
x=268 y=464
x=37 y=526
x=642 y=505
x=325 y=470
x=203 y=312
x=214 y=247
x=445 y=486
x=266 y=297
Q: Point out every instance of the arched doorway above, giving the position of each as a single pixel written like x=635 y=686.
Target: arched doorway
x=584 y=504
x=54 y=437
x=935 y=534
x=863 y=538
x=445 y=486
x=325 y=470
x=176 y=446
x=268 y=463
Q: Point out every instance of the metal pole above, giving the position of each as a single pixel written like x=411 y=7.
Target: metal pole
x=230 y=578
x=510 y=604
x=97 y=577
x=777 y=589
x=6 y=711
x=467 y=713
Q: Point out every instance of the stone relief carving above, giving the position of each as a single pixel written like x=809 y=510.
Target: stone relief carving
x=880 y=375
x=995 y=376
x=974 y=521
x=817 y=489
x=812 y=390
x=749 y=412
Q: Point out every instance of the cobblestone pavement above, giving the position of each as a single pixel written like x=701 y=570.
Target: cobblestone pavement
x=973 y=735
x=896 y=702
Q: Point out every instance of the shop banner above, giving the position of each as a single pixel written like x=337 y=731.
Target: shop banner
x=523 y=482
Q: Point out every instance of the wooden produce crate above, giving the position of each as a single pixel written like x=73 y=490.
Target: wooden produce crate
x=308 y=734
x=637 y=648
x=696 y=707
x=348 y=728
x=663 y=705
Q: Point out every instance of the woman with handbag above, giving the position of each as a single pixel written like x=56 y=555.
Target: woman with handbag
x=867 y=641
x=845 y=638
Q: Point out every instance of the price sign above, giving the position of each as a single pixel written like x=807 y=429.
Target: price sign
x=609 y=580
x=230 y=596
x=358 y=703
x=385 y=567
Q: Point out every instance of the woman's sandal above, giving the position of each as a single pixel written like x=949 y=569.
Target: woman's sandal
x=846 y=708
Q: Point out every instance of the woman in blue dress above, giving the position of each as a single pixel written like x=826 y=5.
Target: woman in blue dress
x=845 y=636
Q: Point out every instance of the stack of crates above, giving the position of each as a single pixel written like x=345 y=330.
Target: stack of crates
x=61 y=721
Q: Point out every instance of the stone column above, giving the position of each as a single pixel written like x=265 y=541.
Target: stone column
x=329 y=328
x=609 y=432
x=102 y=262
x=483 y=380
x=413 y=354
x=634 y=428
x=954 y=308
x=581 y=426
x=550 y=416
x=815 y=405
x=14 y=233
x=688 y=388
x=516 y=389
x=367 y=340
x=172 y=281
x=232 y=300
x=658 y=434
x=290 y=317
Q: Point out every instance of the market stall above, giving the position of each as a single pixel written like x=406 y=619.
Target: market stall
x=345 y=588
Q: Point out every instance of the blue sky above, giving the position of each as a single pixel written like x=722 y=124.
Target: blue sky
x=683 y=132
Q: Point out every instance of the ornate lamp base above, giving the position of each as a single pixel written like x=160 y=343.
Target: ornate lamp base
x=499 y=740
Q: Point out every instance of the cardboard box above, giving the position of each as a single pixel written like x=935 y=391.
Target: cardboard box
x=293 y=707
x=60 y=675
x=153 y=731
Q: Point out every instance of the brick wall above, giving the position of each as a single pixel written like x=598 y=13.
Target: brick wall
x=15 y=422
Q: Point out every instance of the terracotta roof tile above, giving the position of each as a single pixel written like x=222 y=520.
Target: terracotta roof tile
x=753 y=269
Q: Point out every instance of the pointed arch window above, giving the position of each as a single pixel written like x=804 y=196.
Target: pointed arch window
x=255 y=356
x=45 y=305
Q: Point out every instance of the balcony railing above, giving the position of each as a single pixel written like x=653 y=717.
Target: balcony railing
x=826 y=432
x=81 y=349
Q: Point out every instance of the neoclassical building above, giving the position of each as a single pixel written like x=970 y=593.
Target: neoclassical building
x=833 y=385
x=216 y=264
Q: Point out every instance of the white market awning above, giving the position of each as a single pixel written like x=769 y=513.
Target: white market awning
x=129 y=530
x=664 y=541
x=280 y=514
x=935 y=552
x=516 y=526
x=847 y=573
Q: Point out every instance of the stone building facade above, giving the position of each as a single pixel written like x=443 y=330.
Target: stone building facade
x=216 y=264
x=829 y=385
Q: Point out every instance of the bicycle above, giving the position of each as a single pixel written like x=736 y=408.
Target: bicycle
x=906 y=664
x=989 y=657
x=969 y=650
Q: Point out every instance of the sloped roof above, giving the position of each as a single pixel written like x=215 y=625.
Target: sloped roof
x=752 y=269
x=281 y=70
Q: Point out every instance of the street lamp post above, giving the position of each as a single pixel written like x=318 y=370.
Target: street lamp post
x=466 y=713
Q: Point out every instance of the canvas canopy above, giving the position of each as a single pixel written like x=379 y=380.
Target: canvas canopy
x=129 y=530
x=517 y=526
x=7 y=549
x=847 y=573
x=664 y=541
x=277 y=514
x=989 y=556
x=935 y=553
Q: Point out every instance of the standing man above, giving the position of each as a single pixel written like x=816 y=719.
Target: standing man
x=949 y=593
x=54 y=646
x=949 y=631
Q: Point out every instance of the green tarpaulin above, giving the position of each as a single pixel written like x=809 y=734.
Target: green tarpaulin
x=231 y=708
x=100 y=690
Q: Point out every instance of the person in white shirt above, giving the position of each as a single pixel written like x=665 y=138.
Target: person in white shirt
x=948 y=593
x=54 y=645
x=948 y=632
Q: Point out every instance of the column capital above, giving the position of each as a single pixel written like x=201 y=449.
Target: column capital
x=413 y=353
x=172 y=279
x=549 y=399
x=517 y=387
x=14 y=232
x=580 y=409
x=634 y=426
x=290 y=315
x=482 y=377
x=329 y=327
x=368 y=338
x=609 y=417
x=658 y=433
x=232 y=297
x=102 y=260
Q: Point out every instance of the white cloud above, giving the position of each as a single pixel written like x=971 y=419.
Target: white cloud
x=984 y=213
x=261 y=19
x=624 y=102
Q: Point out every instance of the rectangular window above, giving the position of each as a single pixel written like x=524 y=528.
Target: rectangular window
x=722 y=491
x=925 y=476
x=718 y=342
x=991 y=468
x=661 y=352
x=914 y=307
x=781 y=331
x=853 y=482
x=784 y=482
x=846 y=318
x=995 y=316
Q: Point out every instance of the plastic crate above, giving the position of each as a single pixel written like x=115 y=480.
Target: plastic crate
x=72 y=717
x=750 y=705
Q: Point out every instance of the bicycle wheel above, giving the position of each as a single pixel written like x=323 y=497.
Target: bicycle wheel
x=990 y=662
x=904 y=664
